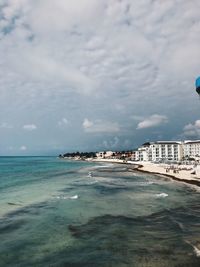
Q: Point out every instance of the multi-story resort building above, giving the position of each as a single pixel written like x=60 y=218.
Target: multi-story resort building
x=191 y=149
x=159 y=151
x=167 y=151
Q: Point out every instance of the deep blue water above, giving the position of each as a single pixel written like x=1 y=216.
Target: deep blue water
x=68 y=213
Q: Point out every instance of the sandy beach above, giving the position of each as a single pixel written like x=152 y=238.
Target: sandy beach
x=184 y=173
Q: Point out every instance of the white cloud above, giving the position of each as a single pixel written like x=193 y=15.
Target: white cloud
x=78 y=57
x=49 y=70
x=23 y=148
x=61 y=15
x=152 y=121
x=63 y=122
x=192 y=130
x=87 y=124
x=30 y=127
x=99 y=126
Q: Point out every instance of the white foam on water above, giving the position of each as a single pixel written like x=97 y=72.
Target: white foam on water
x=196 y=250
x=74 y=197
x=89 y=174
x=104 y=179
x=161 y=195
x=104 y=166
x=143 y=183
x=67 y=197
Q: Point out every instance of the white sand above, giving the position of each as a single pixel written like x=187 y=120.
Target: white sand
x=182 y=175
x=161 y=169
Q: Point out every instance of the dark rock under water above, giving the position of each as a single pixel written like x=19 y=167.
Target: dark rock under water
x=120 y=237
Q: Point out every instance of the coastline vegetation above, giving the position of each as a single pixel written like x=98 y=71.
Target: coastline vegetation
x=80 y=155
x=122 y=155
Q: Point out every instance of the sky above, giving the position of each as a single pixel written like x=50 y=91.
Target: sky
x=92 y=75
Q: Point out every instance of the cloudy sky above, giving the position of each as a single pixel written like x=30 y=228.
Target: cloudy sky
x=97 y=74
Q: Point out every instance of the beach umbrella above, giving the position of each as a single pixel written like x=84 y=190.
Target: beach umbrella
x=198 y=85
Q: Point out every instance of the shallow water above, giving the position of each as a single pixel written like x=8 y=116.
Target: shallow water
x=61 y=213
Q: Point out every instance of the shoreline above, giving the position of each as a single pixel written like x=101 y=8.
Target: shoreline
x=183 y=176
x=182 y=180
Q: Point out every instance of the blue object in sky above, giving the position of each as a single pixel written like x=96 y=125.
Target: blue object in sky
x=198 y=85
x=198 y=82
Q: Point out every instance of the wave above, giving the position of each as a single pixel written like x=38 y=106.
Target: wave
x=89 y=174
x=74 y=197
x=104 y=166
x=161 y=195
x=196 y=249
x=67 y=197
x=143 y=183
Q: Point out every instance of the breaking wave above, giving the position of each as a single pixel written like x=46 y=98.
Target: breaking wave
x=161 y=195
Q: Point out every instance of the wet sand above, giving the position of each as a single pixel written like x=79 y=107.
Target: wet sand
x=185 y=176
x=182 y=175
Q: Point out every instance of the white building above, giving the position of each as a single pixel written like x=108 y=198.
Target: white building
x=141 y=154
x=161 y=150
x=134 y=156
x=166 y=150
x=104 y=154
x=191 y=149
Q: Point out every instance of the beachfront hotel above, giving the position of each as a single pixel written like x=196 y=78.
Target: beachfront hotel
x=159 y=150
x=167 y=151
x=191 y=148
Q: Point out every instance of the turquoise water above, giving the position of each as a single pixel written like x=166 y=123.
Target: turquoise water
x=76 y=214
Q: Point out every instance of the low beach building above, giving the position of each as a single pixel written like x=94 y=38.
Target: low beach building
x=141 y=154
x=104 y=154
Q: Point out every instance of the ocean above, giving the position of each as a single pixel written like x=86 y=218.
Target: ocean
x=57 y=212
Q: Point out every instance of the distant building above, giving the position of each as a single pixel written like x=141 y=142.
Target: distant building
x=165 y=150
x=141 y=154
x=135 y=156
x=104 y=154
x=191 y=149
x=160 y=151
